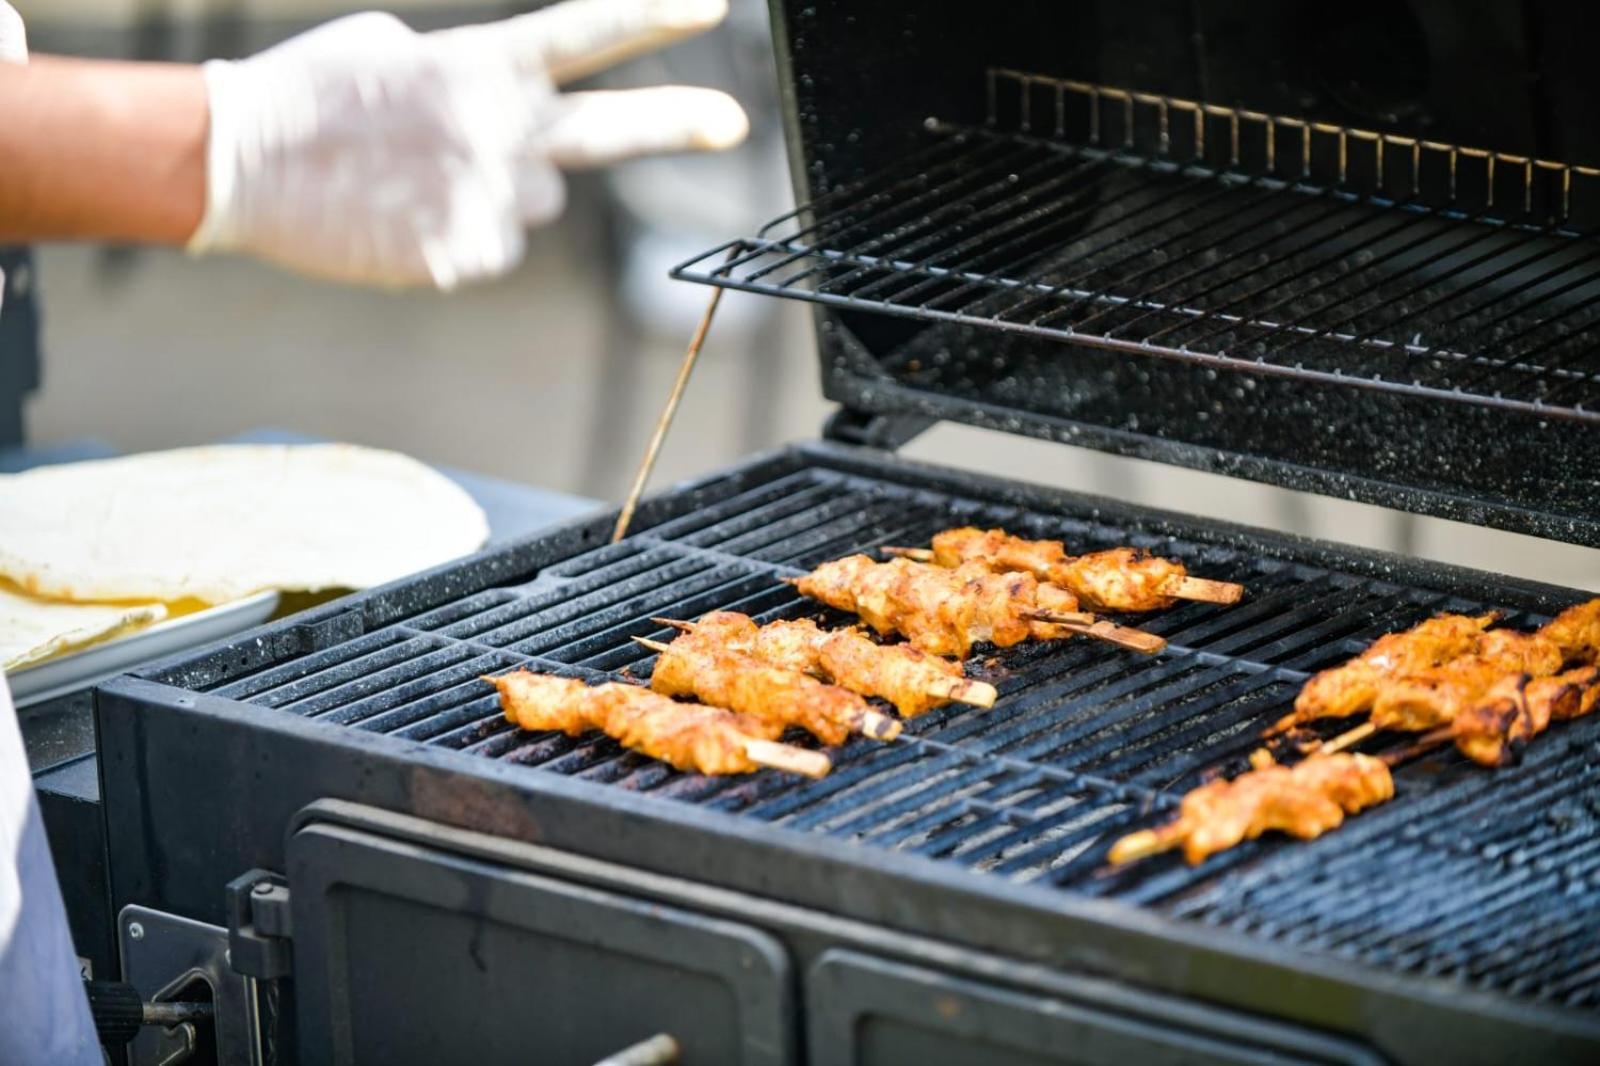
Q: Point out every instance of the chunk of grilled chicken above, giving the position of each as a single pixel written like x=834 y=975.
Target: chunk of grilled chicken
x=941 y=611
x=689 y=737
x=1576 y=631
x=1436 y=696
x=1304 y=801
x=911 y=679
x=775 y=695
x=1351 y=687
x=1518 y=707
x=1117 y=579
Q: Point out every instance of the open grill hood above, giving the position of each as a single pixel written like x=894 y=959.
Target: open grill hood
x=1344 y=249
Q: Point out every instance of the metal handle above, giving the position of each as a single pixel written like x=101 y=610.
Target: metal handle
x=659 y=1050
x=119 y=1011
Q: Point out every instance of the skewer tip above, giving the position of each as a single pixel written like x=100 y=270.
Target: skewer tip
x=962 y=690
x=1099 y=629
x=1206 y=590
x=653 y=645
x=1142 y=845
x=687 y=627
x=880 y=726
x=795 y=760
x=1062 y=618
x=1421 y=746
x=1349 y=738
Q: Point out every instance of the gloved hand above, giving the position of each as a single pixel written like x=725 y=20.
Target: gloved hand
x=364 y=151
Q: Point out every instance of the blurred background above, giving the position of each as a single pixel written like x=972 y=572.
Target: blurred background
x=554 y=375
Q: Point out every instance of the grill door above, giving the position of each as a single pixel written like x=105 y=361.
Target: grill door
x=405 y=954
x=870 y=1012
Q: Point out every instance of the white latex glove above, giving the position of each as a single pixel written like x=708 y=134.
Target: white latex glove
x=366 y=152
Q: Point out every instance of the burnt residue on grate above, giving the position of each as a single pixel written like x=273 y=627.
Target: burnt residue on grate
x=1085 y=742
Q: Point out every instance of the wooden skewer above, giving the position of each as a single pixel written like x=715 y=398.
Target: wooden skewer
x=1145 y=843
x=962 y=690
x=788 y=757
x=647 y=462
x=1148 y=842
x=921 y=555
x=1086 y=624
x=1205 y=590
x=1070 y=618
x=1348 y=738
x=1123 y=636
x=1202 y=589
x=1423 y=744
x=873 y=724
x=880 y=726
x=768 y=753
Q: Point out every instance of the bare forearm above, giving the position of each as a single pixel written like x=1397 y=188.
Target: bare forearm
x=100 y=150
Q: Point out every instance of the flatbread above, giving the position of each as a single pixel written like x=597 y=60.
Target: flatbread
x=32 y=629
x=218 y=523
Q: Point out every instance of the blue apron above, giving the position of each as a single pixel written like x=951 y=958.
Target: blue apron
x=46 y=1013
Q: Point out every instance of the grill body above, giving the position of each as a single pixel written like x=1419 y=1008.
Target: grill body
x=1348 y=249
x=969 y=852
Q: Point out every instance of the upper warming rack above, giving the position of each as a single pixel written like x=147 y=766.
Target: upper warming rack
x=1159 y=226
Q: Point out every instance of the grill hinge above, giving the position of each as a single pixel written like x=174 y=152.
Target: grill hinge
x=259 y=925
x=887 y=431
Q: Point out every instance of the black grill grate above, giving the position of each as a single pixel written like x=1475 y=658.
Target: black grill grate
x=1232 y=239
x=1486 y=878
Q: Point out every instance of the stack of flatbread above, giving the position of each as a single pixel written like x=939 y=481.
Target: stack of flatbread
x=93 y=550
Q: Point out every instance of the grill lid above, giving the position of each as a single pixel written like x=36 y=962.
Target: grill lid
x=1353 y=308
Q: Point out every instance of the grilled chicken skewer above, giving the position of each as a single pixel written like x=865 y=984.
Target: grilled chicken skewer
x=684 y=735
x=945 y=612
x=1490 y=703
x=1304 y=800
x=914 y=681
x=1118 y=579
x=1352 y=687
x=1436 y=696
x=771 y=694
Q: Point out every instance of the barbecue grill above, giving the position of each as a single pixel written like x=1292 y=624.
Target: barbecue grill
x=1228 y=236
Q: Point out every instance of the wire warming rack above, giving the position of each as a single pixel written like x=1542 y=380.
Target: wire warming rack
x=1164 y=227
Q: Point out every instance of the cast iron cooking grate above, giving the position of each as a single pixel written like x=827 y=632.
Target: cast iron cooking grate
x=1486 y=878
x=1158 y=226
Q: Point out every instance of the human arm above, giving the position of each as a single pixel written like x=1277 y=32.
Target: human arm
x=104 y=150
x=361 y=150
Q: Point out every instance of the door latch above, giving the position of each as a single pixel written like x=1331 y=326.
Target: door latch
x=260 y=929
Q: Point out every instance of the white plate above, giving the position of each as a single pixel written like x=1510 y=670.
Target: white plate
x=96 y=663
